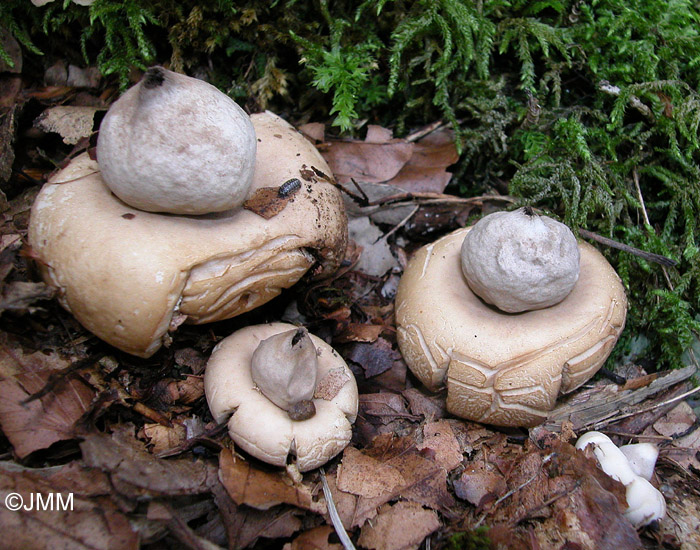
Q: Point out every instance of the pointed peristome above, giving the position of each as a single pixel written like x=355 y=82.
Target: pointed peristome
x=284 y=368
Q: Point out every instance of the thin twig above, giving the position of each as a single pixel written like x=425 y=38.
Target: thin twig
x=637 y=187
x=399 y=225
x=516 y=489
x=650 y=256
x=641 y=436
x=56 y=377
x=647 y=409
x=400 y=199
x=635 y=102
x=546 y=503
x=333 y=513
x=429 y=129
x=77 y=178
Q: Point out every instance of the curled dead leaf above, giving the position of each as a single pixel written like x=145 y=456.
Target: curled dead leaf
x=37 y=424
x=72 y=123
x=267 y=202
x=80 y=515
x=260 y=489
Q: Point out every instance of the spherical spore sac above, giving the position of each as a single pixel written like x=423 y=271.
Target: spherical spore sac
x=520 y=261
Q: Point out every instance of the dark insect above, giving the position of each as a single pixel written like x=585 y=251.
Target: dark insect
x=288 y=188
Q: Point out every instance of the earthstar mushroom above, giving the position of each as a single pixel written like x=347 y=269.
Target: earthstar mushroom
x=176 y=144
x=503 y=368
x=264 y=429
x=131 y=277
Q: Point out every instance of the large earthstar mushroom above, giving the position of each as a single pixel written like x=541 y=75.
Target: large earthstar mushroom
x=259 y=378
x=504 y=368
x=130 y=276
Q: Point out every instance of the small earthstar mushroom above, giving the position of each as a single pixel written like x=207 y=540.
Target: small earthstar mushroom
x=519 y=261
x=505 y=368
x=645 y=503
x=260 y=377
x=177 y=144
x=284 y=368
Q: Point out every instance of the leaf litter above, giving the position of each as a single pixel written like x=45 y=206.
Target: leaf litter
x=134 y=443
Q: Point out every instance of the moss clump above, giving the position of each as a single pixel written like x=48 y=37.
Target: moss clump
x=469 y=540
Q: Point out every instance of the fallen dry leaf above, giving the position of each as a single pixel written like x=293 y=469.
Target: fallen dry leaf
x=314 y=131
x=386 y=407
x=169 y=392
x=162 y=438
x=93 y=522
x=191 y=358
x=426 y=172
x=682 y=521
x=39 y=423
x=136 y=473
x=376 y=257
x=244 y=525
x=685 y=451
x=345 y=503
x=676 y=422
x=314 y=539
x=570 y=496
x=365 y=476
x=416 y=167
x=71 y=122
x=402 y=526
x=378 y=134
x=262 y=490
x=366 y=162
x=440 y=441
x=428 y=406
x=480 y=483
x=20 y=296
x=424 y=481
x=267 y=202
x=374 y=358
x=358 y=332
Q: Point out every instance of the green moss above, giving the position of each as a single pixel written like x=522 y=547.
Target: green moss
x=469 y=540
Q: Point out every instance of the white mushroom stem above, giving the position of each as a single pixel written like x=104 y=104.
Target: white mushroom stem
x=645 y=503
x=284 y=369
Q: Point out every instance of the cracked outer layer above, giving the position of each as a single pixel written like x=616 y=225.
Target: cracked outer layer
x=263 y=429
x=130 y=276
x=499 y=368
